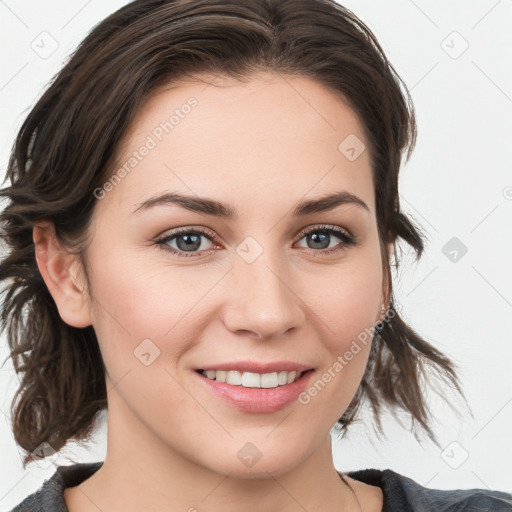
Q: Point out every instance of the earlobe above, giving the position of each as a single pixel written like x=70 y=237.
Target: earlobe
x=60 y=271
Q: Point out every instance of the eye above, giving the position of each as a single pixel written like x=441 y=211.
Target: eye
x=319 y=238
x=188 y=242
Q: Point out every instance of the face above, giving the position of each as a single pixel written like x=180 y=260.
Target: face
x=263 y=285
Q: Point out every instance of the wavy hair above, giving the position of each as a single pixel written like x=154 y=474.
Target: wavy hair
x=67 y=146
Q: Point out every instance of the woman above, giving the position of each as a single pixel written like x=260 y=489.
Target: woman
x=203 y=211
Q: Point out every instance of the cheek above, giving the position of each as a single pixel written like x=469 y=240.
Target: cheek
x=347 y=309
x=144 y=296
x=351 y=297
x=138 y=299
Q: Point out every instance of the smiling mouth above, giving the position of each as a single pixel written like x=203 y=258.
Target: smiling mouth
x=252 y=379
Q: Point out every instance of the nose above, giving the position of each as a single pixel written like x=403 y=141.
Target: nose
x=261 y=299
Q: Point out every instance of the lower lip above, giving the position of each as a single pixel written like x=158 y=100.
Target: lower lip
x=258 y=399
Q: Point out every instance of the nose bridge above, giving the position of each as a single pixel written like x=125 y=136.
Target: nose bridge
x=262 y=299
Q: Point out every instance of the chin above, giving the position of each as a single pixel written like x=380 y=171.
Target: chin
x=259 y=467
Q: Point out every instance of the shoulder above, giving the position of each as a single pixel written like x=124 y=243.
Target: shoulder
x=49 y=496
x=403 y=493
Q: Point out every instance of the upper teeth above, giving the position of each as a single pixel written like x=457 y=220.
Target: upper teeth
x=252 y=380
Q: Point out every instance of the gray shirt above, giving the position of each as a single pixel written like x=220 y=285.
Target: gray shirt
x=401 y=494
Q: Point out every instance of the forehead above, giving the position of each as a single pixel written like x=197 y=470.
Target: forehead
x=268 y=137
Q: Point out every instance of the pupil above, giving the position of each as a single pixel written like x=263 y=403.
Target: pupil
x=319 y=240
x=191 y=242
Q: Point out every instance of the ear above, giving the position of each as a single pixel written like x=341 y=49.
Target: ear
x=62 y=273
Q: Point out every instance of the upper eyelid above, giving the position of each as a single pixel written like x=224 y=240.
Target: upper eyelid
x=326 y=227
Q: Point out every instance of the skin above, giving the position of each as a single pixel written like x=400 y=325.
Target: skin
x=172 y=444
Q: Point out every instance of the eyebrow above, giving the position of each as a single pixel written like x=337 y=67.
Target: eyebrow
x=213 y=207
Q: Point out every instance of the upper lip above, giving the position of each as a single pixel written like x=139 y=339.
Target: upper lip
x=253 y=366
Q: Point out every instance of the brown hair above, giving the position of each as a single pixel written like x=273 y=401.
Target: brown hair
x=67 y=145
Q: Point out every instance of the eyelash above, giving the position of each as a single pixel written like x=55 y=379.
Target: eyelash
x=347 y=239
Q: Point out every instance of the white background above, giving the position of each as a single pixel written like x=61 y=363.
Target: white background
x=457 y=184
